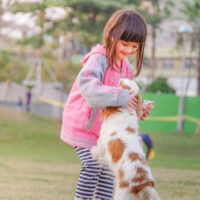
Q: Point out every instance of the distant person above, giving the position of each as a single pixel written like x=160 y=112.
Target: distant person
x=96 y=87
x=148 y=142
x=83 y=48
x=28 y=100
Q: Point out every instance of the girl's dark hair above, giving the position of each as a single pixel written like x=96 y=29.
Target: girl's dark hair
x=127 y=25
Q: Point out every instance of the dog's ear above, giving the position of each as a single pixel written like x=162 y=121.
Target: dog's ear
x=139 y=107
x=123 y=85
x=109 y=111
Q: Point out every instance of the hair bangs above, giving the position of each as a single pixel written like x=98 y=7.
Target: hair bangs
x=133 y=31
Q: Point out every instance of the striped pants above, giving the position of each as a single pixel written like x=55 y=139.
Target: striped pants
x=94 y=181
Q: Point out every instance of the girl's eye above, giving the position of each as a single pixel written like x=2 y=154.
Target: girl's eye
x=125 y=44
x=135 y=47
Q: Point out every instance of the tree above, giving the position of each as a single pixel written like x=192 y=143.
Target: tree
x=48 y=28
x=92 y=15
x=11 y=69
x=192 y=13
x=83 y=23
x=155 y=12
x=37 y=9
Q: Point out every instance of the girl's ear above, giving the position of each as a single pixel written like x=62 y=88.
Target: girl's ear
x=139 y=107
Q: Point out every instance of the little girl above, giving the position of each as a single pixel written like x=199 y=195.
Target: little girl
x=95 y=88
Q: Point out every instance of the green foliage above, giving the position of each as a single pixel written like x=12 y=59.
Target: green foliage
x=160 y=85
x=192 y=11
x=38 y=10
x=5 y=56
x=85 y=17
x=91 y=17
x=12 y=69
x=35 y=41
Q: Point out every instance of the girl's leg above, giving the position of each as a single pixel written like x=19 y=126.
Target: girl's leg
x=105 y=185
x=89 y=175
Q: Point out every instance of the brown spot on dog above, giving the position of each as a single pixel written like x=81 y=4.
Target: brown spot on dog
x=140 y=170
x=140 y=175
x=123 y=184
x=116 y=149
x=130 y=130
x=121 y=174
x=113 y=133
x=134 y=156
x=136 y=189
x=121 y=84
x=109 y=111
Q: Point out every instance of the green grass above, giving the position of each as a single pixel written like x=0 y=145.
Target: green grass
x=176 y=150
x=36 y=165
x=37 y=138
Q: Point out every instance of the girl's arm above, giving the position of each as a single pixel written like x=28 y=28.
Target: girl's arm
x=92 y=88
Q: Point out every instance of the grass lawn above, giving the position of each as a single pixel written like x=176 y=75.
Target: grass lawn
x=36 y=165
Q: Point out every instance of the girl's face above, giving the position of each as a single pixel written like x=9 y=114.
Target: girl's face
x=124 y=49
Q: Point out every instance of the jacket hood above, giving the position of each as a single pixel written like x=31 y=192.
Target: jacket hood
x=97 y=49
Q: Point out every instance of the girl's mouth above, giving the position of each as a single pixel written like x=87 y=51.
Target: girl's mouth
x=124 y=54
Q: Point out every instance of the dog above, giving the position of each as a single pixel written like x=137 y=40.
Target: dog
x=121 y=147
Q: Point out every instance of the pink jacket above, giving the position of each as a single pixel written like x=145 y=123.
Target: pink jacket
x=94 y=88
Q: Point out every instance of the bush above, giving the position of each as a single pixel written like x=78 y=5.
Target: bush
x=160 y=85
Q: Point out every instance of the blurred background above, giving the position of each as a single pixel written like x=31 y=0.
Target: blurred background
x=41 y=45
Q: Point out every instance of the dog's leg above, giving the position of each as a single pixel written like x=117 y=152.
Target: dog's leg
x=148 y=193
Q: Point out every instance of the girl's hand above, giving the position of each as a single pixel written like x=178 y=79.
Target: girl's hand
x=132 y=103
x=147 y=106
x=145 y=113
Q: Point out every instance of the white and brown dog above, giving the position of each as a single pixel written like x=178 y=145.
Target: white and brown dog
x=121 y=147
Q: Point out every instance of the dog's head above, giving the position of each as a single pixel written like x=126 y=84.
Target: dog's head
x=128 y=85
x=131 y=85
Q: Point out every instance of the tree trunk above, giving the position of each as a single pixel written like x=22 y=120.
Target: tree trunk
x=93 y=17
x=198 y=69
x=153 y=51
